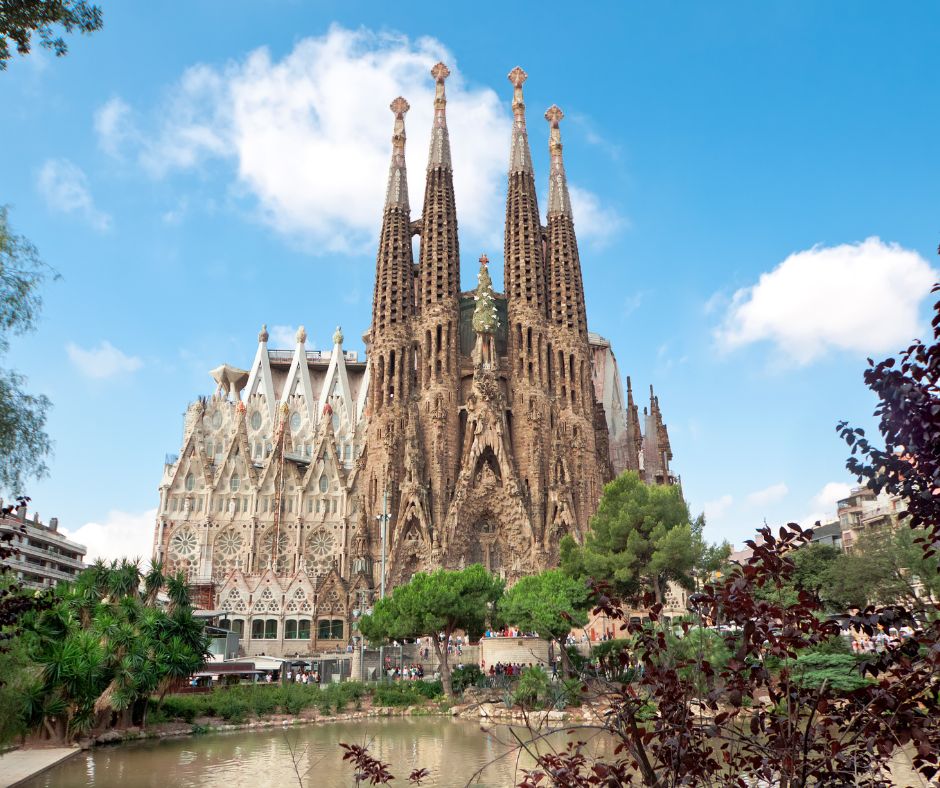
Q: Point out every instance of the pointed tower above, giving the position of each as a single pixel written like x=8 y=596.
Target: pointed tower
x=581 y=417
x=436 y=328
x=656 y=449
x=527 y=347
x=389 y=340
x=634 y=442
x=565 y=287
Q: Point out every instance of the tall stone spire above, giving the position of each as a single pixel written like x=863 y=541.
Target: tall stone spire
x=440 y=251
x=396 y=195
x=520 y=157
x=436 y=332
x=439 y=155
x=634 y=433
x=559 y=203
x=523 y=265
x=392 y=303
x=565 y=286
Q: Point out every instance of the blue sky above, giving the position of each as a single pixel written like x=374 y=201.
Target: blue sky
x=756 y=196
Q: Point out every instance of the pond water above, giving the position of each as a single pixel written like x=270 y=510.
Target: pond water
x=453 y=750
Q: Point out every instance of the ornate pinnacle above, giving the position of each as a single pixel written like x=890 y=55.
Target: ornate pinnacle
x=399 y=106
x=440 y=72
x=301 y=335
x=518 y=77
x=559 y=201
x=263 y=334
x=338 y=336
x=554 y=114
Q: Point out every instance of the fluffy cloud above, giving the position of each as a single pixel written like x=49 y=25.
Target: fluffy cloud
x=121 y=535
x=833 y=492
x=861 y=297
x=309 y=136
x=104 y=361
x=114 y=126
x=593 y=220
x=773 y=494
x=283 y=337
x=716 y=510
x=64 y=187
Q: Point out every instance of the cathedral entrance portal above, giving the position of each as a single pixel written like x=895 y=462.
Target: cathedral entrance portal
x=485 y=548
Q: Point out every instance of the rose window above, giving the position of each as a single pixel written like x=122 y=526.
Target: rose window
x=183 y=544
x=273 y=553
x=226 y=554
x=320 y=545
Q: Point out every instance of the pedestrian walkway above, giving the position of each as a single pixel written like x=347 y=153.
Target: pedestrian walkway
x=17 y=766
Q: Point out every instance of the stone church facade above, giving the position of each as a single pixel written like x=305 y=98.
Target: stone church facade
x=480 y=429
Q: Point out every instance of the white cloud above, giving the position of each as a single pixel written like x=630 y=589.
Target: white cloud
x=309 y=136
x=773 y=494
x=593 y=220
x=860 y=297
x=114 y=126
x=104 y=361
x=716 y=510
x=823 y=504
x=121 y=535
x=64 y=187
x=833 y=492
x=283 y=337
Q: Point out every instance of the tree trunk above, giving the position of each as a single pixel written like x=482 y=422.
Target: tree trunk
x=566 y=671
x=442 y=657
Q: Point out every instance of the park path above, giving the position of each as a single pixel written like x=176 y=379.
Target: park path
x=18 y=766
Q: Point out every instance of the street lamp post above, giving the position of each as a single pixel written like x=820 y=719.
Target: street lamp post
x=383 y=518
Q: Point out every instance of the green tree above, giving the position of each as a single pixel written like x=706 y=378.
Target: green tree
x=888 y=566
x=711 y=560
x=20 y=19
x=104 y=646
x=551 y=604
x=436 y=605
x=640 y=539
x=24 y=444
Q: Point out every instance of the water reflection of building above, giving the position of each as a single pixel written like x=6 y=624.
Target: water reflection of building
x=481 y=428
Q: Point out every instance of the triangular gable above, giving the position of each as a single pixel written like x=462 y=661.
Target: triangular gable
x=260 y=380
x=298 y=380
x=337 y=381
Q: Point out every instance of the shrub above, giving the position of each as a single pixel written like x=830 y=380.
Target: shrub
x=532 y=687
x=405 y=694
x=182 y=707
x=839 y=671
x=231 y=706
x=467 y=676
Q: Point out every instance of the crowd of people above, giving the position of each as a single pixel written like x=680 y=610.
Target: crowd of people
x=862 y=643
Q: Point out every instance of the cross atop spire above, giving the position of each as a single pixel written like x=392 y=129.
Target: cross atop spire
x=559 y=201
x=520 y=159
x=484 y=260
x=396 y=196
x=439 y=155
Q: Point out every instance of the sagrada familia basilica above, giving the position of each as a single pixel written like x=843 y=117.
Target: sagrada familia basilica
x=481 y=428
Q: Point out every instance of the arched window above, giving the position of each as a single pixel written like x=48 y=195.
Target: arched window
x=257 y=629
x=234 y=483
x=290 y=630
x=324 y=483
x=238 y=626
x=224 y=623
x=270 y=629
x=303 y=629
x=190 y=481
